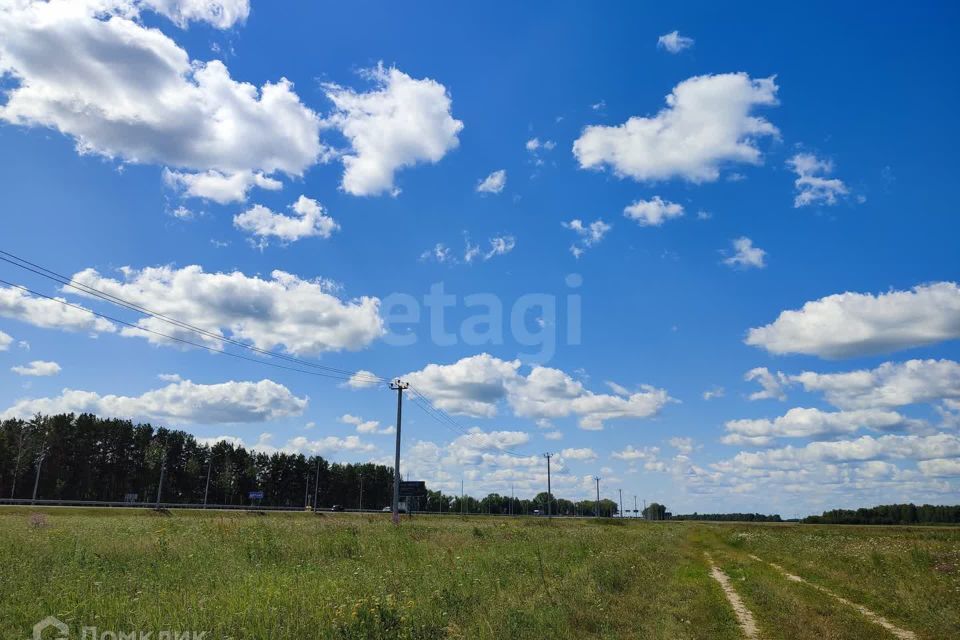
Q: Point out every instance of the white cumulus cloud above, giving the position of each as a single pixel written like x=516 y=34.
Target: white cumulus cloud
x=310 y=220
x=477 y=385
x=588 y=235
x=49 y=313
x=856 y=324
x=493 y=183
x=812 y=184
x=301 y=316
x=37 y=368
x=401 y=122
x=129 y=92
x=653 y=212
x=708 y=122
x=181 y=402
x=674 y=42
x=746 y=255
x=892 y=384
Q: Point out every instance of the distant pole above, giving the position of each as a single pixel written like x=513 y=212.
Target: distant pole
x=549 y=496
x=361 y=492
x=206 y=490
x=163 y=474
x=511 y=498
x=597 y=480
x=644 y=512
x=36 y=480
x=621 y=502
x=306 y=491
x=634 y=506
x=316 y=485
x=397 y=386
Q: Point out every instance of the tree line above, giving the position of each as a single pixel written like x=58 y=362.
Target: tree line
x=88 y=458
x=730 y=517
x=890 y=514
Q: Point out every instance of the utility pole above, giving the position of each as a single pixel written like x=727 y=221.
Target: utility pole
x=549 y=495
x=316 y=486
x=206 y=490
x=397 y=386
x=621 y=502
x=163 y=474
x=461 y=497
x=36 y=480
x=634 y=506
x=644 y=510
x=597 y=480
x=43 y=454
x=511 y=498
x=361 y=492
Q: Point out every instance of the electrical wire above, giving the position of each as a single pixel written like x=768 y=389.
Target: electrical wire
x=32 y=267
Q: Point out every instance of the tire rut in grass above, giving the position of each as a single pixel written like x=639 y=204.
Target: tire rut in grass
x=747 y=622
x=902 y=634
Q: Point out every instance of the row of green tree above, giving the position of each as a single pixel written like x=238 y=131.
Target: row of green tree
x=729 y=517
x=84 y=457
x=890 y=514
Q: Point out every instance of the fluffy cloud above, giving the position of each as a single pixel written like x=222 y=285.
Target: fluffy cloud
x=37 y=368
x=940 y=467
x=49 y=314
x=654 y=212
x=362 y=379
x=302 y=316
x=476 y=385
x=323 y=446
x=366 y=426
x=856 y=324
x=310 y=221
x=180 y=402
x=327 y=445
x=683 y=445
x=222 y=14
x=708 y=122
x=401 y=122
x=5 y=341
x=715 y=392
x=674 y=42
x=813 y=187
x=941 y=445
x=589 y=235
x=772 y=384
x=217 y=186
x=632 y=454
x=499 y=246
x=585 y=453
x=130 y=92
x=493 y=183
x=801 y=422
x=746 y=255
x=892 y=384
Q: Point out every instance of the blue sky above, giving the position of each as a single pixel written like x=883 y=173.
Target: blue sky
x=805 y=158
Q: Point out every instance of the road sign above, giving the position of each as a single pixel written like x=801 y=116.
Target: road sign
x=413 y=489
x=256 y=495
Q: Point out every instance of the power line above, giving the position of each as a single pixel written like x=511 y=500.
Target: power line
x=118 y=301
x=170 y=337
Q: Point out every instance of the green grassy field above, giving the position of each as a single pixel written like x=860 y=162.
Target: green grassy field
x=296 y=575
